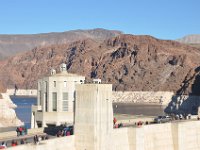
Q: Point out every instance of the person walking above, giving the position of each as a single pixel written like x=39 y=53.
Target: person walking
x=36 y=140
x=3 y=145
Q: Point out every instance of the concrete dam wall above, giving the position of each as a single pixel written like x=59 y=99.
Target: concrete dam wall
x=94 y=128
x=169 y=136
x=183 y=135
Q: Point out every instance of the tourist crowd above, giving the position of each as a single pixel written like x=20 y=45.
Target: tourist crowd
x=36 y=140
x=21 y=131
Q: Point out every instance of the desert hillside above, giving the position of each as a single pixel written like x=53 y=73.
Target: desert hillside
x=190 y=39
x=130 y=63
x=13 y=44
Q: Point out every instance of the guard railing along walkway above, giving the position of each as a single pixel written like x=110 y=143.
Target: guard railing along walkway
x=13 y=134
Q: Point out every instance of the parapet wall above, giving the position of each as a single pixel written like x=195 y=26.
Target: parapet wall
x=62 y=143
x=148 y=97
x=183 y=135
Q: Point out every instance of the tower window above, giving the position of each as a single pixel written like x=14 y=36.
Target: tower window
x=54 y=83
x=65 y=101
x=65 y=83
x=54 y=97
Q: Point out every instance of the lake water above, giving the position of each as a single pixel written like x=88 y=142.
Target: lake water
x=138 y=109
x=23 y=109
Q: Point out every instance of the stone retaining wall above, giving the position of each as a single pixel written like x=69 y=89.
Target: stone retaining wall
x=143 y=97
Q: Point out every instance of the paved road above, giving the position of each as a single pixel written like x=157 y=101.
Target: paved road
x=138 y=109
x=30 y=137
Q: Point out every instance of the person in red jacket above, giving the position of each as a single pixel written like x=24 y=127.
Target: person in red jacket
x=14 y=143
x=114 y=120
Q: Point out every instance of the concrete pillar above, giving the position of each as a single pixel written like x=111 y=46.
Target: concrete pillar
x=32 y=120
x=198 y=113
x=58 y=123
x=94 y=116
x=177 y=106
x=44 y=124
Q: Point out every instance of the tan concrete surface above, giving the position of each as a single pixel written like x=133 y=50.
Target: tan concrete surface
x=94 y=116
x=61 y=143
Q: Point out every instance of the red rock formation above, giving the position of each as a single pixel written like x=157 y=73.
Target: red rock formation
x=12 y=44
x=139 y=63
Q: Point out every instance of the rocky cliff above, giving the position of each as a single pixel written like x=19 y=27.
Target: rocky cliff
x=130 y=63
x=7 y=113
x=12 y=44
x=190 y=39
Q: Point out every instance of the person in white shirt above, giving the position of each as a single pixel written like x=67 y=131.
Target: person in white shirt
x=3 y=145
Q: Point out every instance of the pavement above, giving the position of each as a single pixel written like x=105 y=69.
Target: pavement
x=28 y=138
x=138 y=109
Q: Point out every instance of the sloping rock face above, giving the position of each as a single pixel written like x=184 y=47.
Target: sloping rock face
x=146 y=97
x=7 y=113
x=2 y=89
x=190 y=39
x=12 y=44
x=130 y=63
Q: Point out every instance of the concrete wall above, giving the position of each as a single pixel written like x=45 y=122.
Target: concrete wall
x=184 y=135
x=62 y=143
x=158 y=137
x=151 y=137
x=169 y=136
x=143 y=97
x=94 y=116
x=188 y=136
x=120 y=139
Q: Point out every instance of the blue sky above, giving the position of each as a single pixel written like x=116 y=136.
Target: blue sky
x=165 y=19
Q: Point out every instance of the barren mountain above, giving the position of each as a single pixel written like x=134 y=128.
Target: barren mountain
x=190 y=39
x=12 y=44
x=139 y=63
